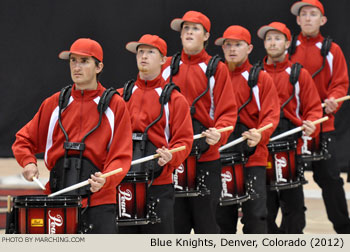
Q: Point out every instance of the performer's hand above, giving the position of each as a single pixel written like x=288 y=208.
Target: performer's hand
x=331 y=105
x=165 y=156
x=96 y=182
x=30 y=171
x=253 y=137
x=309 y=128
x=212 y=136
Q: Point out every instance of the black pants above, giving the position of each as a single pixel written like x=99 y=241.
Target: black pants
x=164 y=210
x=293 y=210
x=254 y=210
x=102 y=219
x=199 y=212
x=326 y=174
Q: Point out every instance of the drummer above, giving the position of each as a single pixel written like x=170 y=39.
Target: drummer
x=173 y=129
x=304 y=107
x=261 y=110
x=70 y=149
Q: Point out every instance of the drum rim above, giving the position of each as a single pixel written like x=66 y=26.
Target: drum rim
x=54 y=202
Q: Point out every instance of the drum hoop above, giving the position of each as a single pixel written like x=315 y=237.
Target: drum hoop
x=282 y=146
x=135 y=177
x=40 y=201
x=237 y=158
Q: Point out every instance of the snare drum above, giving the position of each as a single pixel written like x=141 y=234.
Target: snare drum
x=187 y=182
x=282 y=168
x=317 y=149
x=235 y=190
x=42 y=215
x=133 y=208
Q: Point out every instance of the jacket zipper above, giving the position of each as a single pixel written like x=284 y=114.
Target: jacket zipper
x=81 y=114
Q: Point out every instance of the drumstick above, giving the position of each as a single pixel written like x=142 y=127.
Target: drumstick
x=195 y=137
x=83 y=183
x=39 y=183
x=8 y=203
x=241 y=139
x=86 y=182
x=344 y=98
x=150 y=157
x=297 y=129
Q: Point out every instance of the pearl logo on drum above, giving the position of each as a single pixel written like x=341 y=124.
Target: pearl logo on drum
x=124 y=196
x=225 y=177
x=280 y=163
x=54 y=221
x=178 y=170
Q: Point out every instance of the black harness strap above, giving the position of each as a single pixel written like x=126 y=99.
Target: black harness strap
x=293 y=79
x=211 y=69
x=252 y=82
x=78 y=146
x=326 y=46
x=127 y=90
x=240 y=127
x=143 y=137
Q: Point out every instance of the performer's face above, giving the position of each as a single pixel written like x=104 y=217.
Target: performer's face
x=149 y=60
x=310 y=20
x=84 y=69
x=276 y=45
x=236 y=51
x=193 y=37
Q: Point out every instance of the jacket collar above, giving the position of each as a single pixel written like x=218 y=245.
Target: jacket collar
x=194 y=59
x=87 y=94
x=242 y=68
x=152 y=84
x=276 y=67
x=318 y=38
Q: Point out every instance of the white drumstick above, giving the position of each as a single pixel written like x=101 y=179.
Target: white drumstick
x=154 y=156
x=297 y=129
x=39 y=183
x=241 y=139
x=344 y=98
x=138 y=161
x=195 y=137
x=83 y=183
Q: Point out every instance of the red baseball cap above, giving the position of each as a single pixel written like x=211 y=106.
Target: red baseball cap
x=298 y=5
x=85 y=47
x=150 y=40
x=193 y=17
x=277 y=26
x=235 y=32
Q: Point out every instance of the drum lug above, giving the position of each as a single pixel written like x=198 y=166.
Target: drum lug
x=151 y=213
x=200 y=183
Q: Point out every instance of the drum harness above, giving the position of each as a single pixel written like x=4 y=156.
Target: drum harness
x=242 y=151
x=325 y=48
x=285 y=124
x=73 y=169
x=199 y=146
x=142 y=146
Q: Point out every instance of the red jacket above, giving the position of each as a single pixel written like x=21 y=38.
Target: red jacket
x=109 y=147
x=217 y=108
x=306 y=104
x=333 y=80
x=174 y=128
x=263 y=109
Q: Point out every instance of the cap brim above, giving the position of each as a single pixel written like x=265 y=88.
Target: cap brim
x=219 y=41
x=263 y=30
x=296 y=7
x=132 y=46
x=176 y=24
x=65 y=54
